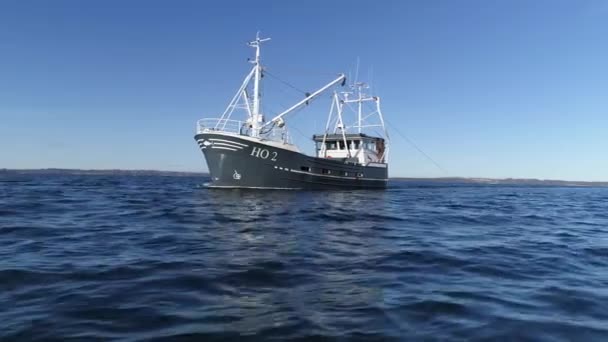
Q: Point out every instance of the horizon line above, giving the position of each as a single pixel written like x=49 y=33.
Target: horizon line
x=472 y=178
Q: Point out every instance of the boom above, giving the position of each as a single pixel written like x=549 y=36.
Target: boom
x=341 y=78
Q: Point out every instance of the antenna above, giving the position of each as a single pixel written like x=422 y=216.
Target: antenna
x=258 y=40
x=357 y=71
x=370 y=76
x=256 y=117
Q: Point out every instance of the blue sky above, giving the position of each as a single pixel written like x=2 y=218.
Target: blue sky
x=486 y=88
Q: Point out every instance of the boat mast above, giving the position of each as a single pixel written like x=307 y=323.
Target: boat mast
x=256 y=117
x=359 y=102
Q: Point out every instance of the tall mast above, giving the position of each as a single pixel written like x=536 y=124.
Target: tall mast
x=256 y=117
x=359 y=85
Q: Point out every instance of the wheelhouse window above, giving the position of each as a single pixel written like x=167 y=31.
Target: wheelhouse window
x=331 y=145
x=305 y=168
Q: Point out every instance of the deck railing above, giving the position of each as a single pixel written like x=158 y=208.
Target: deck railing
x=221 y=125
x=239 y=128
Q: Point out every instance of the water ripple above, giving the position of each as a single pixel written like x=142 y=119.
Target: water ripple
x=162 y=258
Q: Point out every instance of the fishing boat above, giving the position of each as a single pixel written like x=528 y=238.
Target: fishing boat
x=252 y=152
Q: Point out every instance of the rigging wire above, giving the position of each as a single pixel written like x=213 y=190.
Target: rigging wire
x=290 y=127
x=409 y=141
x=295 y=111
x=307 y=137
x=284 y=82
x=266 y=72
x=413 y=144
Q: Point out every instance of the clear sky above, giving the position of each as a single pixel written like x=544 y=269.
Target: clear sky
x=486 y=88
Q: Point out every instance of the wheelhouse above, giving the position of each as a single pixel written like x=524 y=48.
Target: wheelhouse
x=353 y=147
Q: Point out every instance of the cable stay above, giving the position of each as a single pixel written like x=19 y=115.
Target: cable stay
x=413 y=144
x=266 y=72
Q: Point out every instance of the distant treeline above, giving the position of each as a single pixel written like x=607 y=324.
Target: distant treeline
x=53 y=171
x=461 y=180
x=505 y=181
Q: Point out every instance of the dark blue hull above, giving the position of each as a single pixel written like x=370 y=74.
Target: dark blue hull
x=236 y=162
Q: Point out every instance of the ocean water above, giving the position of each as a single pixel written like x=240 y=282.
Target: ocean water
x=140 y=258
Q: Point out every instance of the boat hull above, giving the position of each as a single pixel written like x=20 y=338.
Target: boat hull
x=236 y=162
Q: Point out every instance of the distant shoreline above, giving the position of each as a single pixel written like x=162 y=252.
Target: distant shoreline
x=503 y=181
x=102 y=172
x=461 y=180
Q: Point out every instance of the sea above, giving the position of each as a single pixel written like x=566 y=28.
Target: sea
x=157 y=258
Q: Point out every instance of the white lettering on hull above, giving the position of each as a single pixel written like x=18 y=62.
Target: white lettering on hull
x=263 y=153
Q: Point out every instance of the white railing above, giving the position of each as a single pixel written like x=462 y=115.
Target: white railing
x=240 y=128
x=220 y=125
